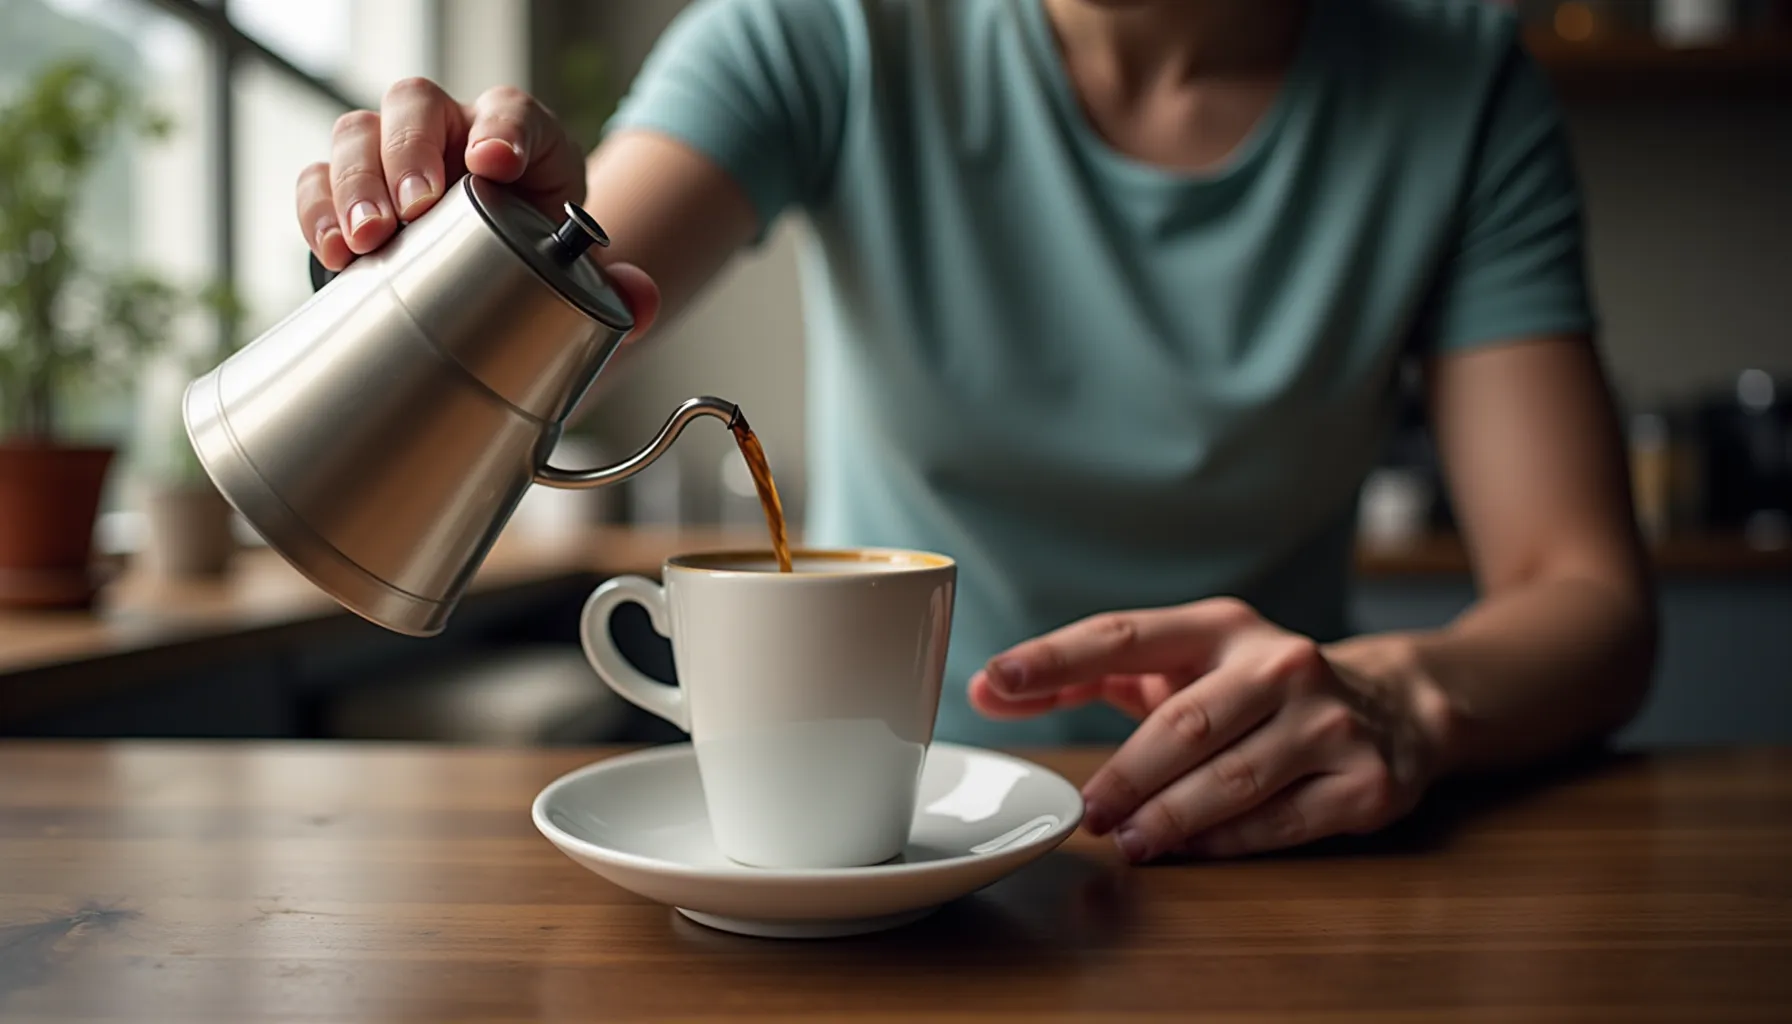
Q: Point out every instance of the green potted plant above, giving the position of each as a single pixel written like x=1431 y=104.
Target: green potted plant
x=188 y=524
x=67 y=323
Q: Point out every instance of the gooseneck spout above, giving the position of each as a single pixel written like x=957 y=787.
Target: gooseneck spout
x=681 y=417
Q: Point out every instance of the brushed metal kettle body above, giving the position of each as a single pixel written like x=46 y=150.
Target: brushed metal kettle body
x=381 y=435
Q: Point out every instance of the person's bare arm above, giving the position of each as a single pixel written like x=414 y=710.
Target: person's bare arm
x=669 y=210
x=1560 y=645
x=1254 y=738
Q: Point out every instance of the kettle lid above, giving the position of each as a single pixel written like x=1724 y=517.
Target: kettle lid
x=552 y=250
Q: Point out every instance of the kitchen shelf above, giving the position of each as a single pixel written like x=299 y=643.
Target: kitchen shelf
x=1759 y=66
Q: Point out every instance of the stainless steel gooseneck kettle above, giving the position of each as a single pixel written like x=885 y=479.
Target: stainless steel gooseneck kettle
x=381 y=435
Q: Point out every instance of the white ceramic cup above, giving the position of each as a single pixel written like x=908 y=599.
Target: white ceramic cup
x=810 y=696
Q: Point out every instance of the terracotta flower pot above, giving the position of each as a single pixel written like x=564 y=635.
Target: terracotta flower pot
x=49 y=498
x=188 y=534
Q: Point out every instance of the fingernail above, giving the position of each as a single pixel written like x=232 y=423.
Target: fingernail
x=982 y=676
x=1095 y=817
x=494 y=146
x=411 y=191
x=326 y=226
x=1131 y=843
x=359 y=214
x=1006 y=675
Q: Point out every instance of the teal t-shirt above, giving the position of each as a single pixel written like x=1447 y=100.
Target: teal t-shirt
x=1096 y=383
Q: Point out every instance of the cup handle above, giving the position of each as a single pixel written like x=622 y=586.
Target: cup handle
x=635 y=686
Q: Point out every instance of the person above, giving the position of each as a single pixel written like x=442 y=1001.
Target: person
x=1107 y=300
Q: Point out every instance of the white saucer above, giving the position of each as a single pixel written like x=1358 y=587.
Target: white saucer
x=639 y=821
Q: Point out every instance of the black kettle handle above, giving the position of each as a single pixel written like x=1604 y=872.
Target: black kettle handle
x=320 y=274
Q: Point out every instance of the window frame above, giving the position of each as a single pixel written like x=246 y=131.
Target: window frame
x=229 y=46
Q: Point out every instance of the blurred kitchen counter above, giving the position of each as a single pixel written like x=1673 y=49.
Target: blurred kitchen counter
x=138 y=612
x=1443 y=554
x=1724 y=661
x=262 y=592
x=262 y=652
x=146 y=627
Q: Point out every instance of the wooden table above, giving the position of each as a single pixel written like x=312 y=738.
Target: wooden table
x=248 y=883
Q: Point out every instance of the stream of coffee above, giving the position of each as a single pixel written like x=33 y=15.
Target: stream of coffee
x=754 y=453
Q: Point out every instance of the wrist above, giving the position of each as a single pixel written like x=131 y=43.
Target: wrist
x=1392 y=666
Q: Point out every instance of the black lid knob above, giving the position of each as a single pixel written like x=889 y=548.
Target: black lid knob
x=577 y=234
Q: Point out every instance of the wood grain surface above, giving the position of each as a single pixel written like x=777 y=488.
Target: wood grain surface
x=254 y=882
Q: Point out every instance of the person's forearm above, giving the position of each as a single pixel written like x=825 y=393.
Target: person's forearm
x=669 y=210
x=1525 y=674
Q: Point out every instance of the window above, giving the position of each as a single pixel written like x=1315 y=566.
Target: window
x=313 y=35
x=147 y=202
x=281 y=127
x=251 y=88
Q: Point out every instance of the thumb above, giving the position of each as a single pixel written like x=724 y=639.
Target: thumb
x=639 y=293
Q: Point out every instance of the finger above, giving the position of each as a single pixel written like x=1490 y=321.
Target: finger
x=639 y=293
x=1139 y=695
x=357 y=182
x=1184 y=640
x=416 y=121
x=514 y=139
x=1309 y=810
x=1231 y=783
x=992 y=704
x=317 y=218
x=1133 y=695
x=1196 y=723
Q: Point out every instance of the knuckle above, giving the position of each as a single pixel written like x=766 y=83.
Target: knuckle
x=1118 y=632
x=414 y=87
x=403 y=138
x=1188 y=722
x=1237 y=778
x=1298 y=662
x=1374 y=796
x=351 y=179
x=1263 y=683
x=313 y=175
x=1333 y=724
x=357 y=121
x=505 y=96
x=1287 y=824
x=1164 y=823
x=1230 y=610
